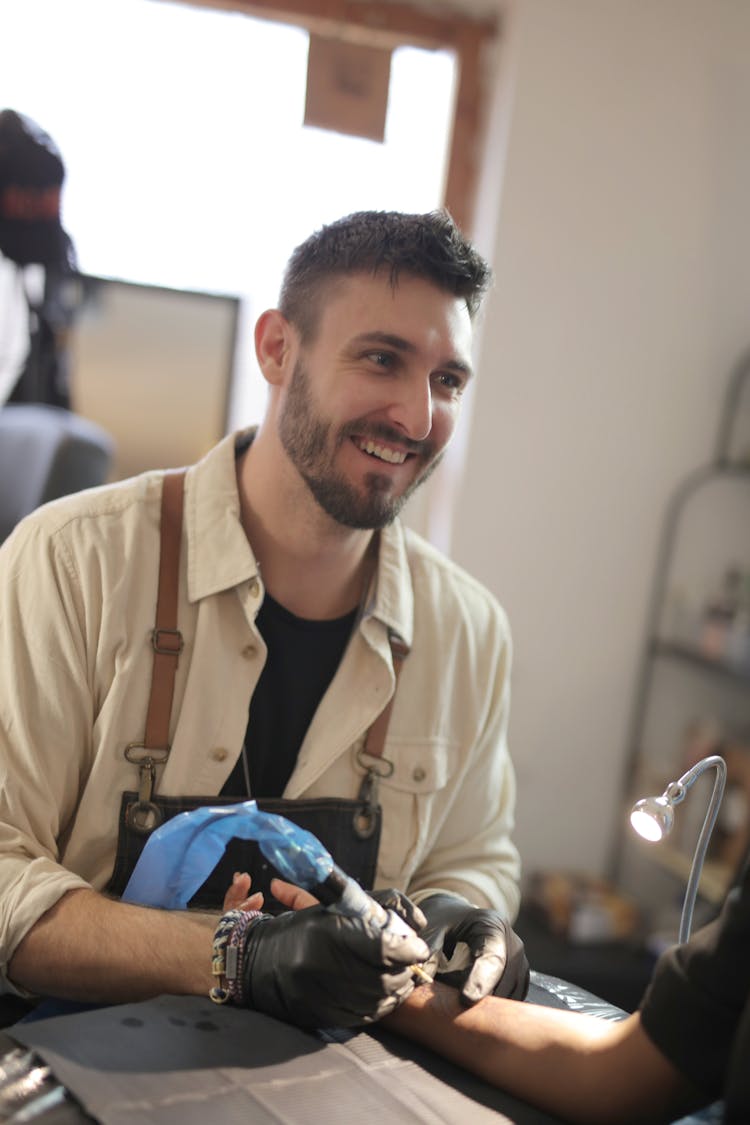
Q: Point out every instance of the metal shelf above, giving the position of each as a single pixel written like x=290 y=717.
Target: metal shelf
x=725 y=464
x=679 y=650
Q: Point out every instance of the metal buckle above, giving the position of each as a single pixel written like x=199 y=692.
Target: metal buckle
x=173 y=638
x=365 y=821
x=365 y=818
x=158 y=755
x=143 y=816
x=381 y=767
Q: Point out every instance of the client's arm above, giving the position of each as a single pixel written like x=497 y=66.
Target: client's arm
x=575 y=1066
x=578 y=1067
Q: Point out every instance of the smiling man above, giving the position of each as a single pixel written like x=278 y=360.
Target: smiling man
x=326 y=662
x=402 y=385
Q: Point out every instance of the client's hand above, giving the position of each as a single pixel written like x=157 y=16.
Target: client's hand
x=238 y=896
x=291 y=896
x=495 y=963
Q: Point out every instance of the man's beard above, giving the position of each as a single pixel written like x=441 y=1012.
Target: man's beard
x=311 y=447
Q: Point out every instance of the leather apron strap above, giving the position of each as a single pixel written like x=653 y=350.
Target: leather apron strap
x=166 y=638
x=375 y=739
x=143 y=815
x=370 y=755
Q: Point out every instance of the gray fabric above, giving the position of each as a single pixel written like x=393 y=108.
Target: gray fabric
x=183 y=1060
x=46 y=452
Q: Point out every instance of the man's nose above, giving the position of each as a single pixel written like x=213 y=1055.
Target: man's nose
x=411 y=410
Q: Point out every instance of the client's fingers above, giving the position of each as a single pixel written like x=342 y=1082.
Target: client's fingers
x=295 y=898
x=238 y=896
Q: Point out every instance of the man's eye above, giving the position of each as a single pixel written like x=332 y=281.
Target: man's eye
x=451 y=382
x=381 y=359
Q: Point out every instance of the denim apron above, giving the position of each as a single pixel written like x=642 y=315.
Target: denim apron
x=348 y=829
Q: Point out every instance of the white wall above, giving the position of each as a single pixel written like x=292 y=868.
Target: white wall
x=617 y=220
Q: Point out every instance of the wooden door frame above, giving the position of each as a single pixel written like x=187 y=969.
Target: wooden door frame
x=387 y=24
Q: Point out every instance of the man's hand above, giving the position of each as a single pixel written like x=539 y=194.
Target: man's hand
x=315 y=968
x=295 y=898
x=496 y=960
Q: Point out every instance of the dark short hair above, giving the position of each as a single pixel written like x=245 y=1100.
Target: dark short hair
x=428 y=246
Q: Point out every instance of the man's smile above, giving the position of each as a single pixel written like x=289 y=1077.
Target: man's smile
x=381 y=451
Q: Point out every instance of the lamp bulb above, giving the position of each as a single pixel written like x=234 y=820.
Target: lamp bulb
x=652 y=818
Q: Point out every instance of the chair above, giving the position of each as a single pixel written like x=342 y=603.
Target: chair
x=46 y=452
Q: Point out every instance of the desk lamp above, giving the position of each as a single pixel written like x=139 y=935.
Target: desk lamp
x=653 y=817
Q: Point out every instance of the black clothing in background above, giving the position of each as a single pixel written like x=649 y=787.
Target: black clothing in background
x=32 y=173
x=697 y=1007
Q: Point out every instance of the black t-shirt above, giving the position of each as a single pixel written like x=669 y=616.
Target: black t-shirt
x=302 y=660
x=697 y=1008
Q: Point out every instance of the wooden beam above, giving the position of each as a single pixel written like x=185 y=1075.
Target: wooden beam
x=462 y=173
x=392 y=23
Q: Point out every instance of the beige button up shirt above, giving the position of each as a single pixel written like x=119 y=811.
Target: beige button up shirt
x=77 y=603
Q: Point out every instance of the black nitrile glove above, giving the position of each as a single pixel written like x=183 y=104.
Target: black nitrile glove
x=398 y=902
x=497 y=962
x=317 y=968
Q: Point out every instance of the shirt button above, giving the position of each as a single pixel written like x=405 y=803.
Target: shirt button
x=249 y=650
x=254 y=587
x=219 y=754
x=418 y=773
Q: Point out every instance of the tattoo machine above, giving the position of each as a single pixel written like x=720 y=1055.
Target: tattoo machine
x=183 y=851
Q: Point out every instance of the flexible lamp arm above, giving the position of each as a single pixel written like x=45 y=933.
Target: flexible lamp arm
x=660 y=809
x=687 y=779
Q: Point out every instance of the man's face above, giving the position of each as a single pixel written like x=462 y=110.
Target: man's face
x=373 y=401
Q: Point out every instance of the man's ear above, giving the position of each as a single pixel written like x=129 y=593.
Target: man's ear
x=274 y=345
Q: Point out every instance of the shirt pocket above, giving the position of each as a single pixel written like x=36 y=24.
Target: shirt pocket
x=411 y=798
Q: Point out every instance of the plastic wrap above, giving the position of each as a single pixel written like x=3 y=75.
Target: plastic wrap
x=181 y=853
x=575 y=998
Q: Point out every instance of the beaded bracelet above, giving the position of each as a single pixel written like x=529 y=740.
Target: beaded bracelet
x=226 y=960
x=218 y=993
x=235 y=955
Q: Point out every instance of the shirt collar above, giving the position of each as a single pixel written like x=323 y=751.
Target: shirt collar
x=219 y=555
x=391 y=598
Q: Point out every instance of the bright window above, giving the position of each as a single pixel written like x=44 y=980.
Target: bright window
x=187 y=161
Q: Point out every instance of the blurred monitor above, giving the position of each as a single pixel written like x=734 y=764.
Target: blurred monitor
x=154 y=367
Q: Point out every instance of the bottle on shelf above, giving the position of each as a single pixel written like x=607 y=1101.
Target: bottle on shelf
x=682 y=618
x=738 y=638
x=719 y=616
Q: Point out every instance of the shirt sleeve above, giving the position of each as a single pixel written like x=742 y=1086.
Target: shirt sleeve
x=694 y=1005
x=45 y=727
